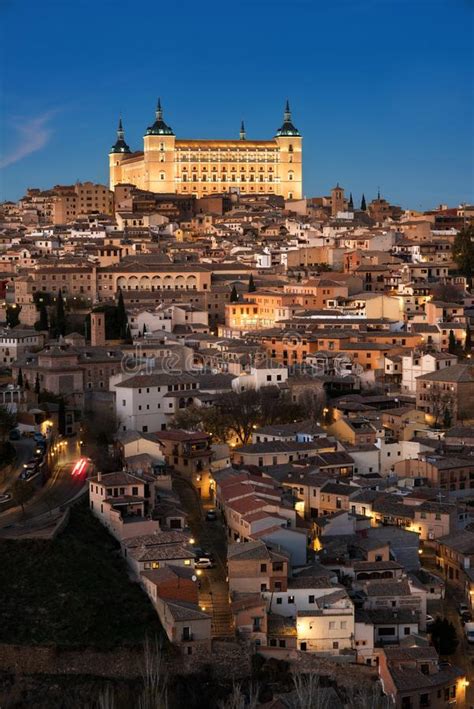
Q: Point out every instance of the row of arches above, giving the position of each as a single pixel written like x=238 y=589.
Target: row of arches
x=157 y=282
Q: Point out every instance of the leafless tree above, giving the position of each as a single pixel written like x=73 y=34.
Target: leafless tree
x=238 y=700
x=308 y=692
x=155 y=680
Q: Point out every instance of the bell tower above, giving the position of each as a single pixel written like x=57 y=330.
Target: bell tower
x=290 y=166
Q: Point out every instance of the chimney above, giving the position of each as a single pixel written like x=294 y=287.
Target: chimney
x=99 y=477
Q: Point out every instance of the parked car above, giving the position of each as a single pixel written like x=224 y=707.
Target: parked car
x=201 y=553
x=211 y=515
x=463 y=608
x=469 y=631
x=204 y=563
x=429 y=620
x=14 y=435
x=466 y=617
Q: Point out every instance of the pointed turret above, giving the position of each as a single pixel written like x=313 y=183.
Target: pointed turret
x=287 y=129
x=159 y=127
x=243 y=134
x=120 y=145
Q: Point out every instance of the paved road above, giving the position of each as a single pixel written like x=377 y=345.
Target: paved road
x=214 y=592
x=24 y=451
x=59 y=489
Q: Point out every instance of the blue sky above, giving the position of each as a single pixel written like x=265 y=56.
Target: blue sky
x=382 y=90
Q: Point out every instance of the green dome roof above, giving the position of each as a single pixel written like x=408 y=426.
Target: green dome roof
x=287 y=129
x=120 y=145
x=159 y=127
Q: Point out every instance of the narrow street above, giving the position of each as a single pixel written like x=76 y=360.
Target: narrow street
x=210 y=536
x=448 y=608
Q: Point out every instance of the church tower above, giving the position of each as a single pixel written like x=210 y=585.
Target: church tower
x=118 y=152
x=289 y=141
x=338 y=202
x=159 y=155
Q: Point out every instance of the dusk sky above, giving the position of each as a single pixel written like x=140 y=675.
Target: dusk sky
x=382 y=90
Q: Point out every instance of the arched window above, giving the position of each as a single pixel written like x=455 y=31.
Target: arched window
x=290 y=148
x=290 y=175
x=162 y=175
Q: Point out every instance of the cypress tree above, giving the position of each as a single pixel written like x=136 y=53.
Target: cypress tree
x=468 y=340
x=128 y=336
x=351 y=202
x=122 y=320
x=451 y=343
x=234 y=296
x=252 y=288
x=60 y=323
x=37 y=384
x=12 y=315
x=363 y=204
x=43 y=322
x=19 y=380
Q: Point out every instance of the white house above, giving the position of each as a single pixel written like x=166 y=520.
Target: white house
x=415 y=365
x=123 y=503
x=147 y=402
x=261 y=376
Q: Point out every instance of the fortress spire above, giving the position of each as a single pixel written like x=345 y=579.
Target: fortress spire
x=159 y=127
x=120 y=145
x=287 y=129
x=243 y=134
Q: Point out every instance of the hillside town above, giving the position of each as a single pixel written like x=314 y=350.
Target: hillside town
x=268 y=403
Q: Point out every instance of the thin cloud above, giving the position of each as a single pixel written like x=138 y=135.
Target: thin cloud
x=33 y=135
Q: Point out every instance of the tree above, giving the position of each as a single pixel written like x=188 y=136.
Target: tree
x=351 y=203
x=144 y=329
x=447 y=418
x=234 y=296
x=37 y=384
x=60 y=317
x=62 y=417
x=363 y=204
x=12 y=315
x=447 y=292
x=43 y=322
x=463 y=253
x=251 y=288
x=7 y=422
x=122 y=319
x=128 y=339
x=22 y=492
x=468 y=340
x=19 y=380
x=452 y=346
x=444 y=637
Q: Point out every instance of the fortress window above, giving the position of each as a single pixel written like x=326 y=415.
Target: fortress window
x=162 y=175
x=290 y=175
x=290 y=148
x=162 y=146
x=185 y=177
